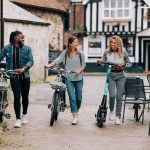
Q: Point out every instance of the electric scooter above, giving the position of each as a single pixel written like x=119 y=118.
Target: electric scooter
x=102 y=110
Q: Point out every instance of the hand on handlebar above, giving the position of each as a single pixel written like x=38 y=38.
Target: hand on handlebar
x=119 y=66
x=50 y=65
x=20 y=70
x=47 y=66
x=99 y=62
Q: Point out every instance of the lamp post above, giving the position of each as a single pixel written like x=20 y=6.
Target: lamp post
x=1 y=25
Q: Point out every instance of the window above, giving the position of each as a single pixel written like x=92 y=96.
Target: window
x=94 y=46
x=128 y=45
x=66 y=22
x=114 y=9
x=148 y=17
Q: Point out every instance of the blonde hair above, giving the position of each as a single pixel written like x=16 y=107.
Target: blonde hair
x=119 y=44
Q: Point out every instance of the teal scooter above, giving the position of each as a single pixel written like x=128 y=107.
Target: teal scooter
x=102 y=110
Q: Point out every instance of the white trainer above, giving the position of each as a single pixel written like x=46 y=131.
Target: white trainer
x=17 y=123
x=111 y=116
x=24 y=119
x=75 y=121
x=118 y=121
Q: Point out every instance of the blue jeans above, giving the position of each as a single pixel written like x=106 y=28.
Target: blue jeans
x=74 y=89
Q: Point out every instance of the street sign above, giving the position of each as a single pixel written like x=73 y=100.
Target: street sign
x=76 y=1
x=83 y=2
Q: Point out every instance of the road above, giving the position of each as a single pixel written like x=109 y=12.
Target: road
x=38 y=135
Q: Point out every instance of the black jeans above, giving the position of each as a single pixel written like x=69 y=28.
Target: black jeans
x=20 y=87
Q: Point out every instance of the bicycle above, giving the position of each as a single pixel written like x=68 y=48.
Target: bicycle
x=58 y=101
x=3 y=92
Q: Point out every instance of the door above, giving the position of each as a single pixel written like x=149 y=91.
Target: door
x=146 y=55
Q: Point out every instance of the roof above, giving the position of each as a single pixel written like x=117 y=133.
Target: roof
x=56 y=5
x=13 y=12
x=145 y=32
x=147 y=2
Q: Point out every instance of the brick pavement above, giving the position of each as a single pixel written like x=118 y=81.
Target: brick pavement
x=86 y=135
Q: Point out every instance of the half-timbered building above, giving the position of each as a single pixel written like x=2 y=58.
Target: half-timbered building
x=127 y=18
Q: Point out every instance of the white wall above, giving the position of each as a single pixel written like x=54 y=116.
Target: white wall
x=56 y=29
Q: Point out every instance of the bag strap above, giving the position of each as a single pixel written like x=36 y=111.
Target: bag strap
x=79 y=58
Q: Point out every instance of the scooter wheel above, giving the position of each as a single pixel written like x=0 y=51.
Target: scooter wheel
x=1 y=117
x=100 y=120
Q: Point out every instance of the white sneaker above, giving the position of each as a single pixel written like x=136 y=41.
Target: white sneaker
x=111 y=116
x=118 y=121
x=18 y=123
x=24 y=119
x=75 y=121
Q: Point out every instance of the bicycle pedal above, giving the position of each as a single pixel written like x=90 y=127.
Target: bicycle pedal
x=49 y=105
x=7 y=116
x=62 y=109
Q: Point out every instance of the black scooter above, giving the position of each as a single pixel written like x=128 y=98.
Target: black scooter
x=102 y=110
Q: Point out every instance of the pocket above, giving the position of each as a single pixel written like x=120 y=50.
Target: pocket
x=24 y=57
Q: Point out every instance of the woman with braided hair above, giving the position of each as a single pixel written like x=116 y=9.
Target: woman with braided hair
x=117 y=55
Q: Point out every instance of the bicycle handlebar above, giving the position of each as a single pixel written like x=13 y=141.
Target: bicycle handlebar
x=107 y=63
x=11 y=74
x=60 y=70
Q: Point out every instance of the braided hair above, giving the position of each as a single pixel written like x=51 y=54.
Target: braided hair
x=13 y=35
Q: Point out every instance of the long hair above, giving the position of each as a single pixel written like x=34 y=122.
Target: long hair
x=119 y=44
x=13 y=35
x=70 y=41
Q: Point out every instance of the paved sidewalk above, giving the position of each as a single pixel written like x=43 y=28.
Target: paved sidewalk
x=38 y=135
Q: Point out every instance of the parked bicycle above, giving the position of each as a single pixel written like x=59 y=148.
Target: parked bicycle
x=3 y=91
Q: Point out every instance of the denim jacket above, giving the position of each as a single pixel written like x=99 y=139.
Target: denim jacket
x=26 y=58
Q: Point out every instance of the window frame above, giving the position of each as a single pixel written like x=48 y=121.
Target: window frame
x=125 y=46
x=115 y=10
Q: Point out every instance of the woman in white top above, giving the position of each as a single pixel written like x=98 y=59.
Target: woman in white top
x=117 y=55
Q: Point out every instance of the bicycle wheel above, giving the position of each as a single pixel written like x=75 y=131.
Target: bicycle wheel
x=2 y=108
x=54 y=108
x=58 y=109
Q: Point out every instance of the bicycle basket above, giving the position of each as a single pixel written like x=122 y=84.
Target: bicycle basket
x=58 y=85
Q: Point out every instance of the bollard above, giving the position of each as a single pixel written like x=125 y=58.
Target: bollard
x=149 y=129
x=45 y=73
